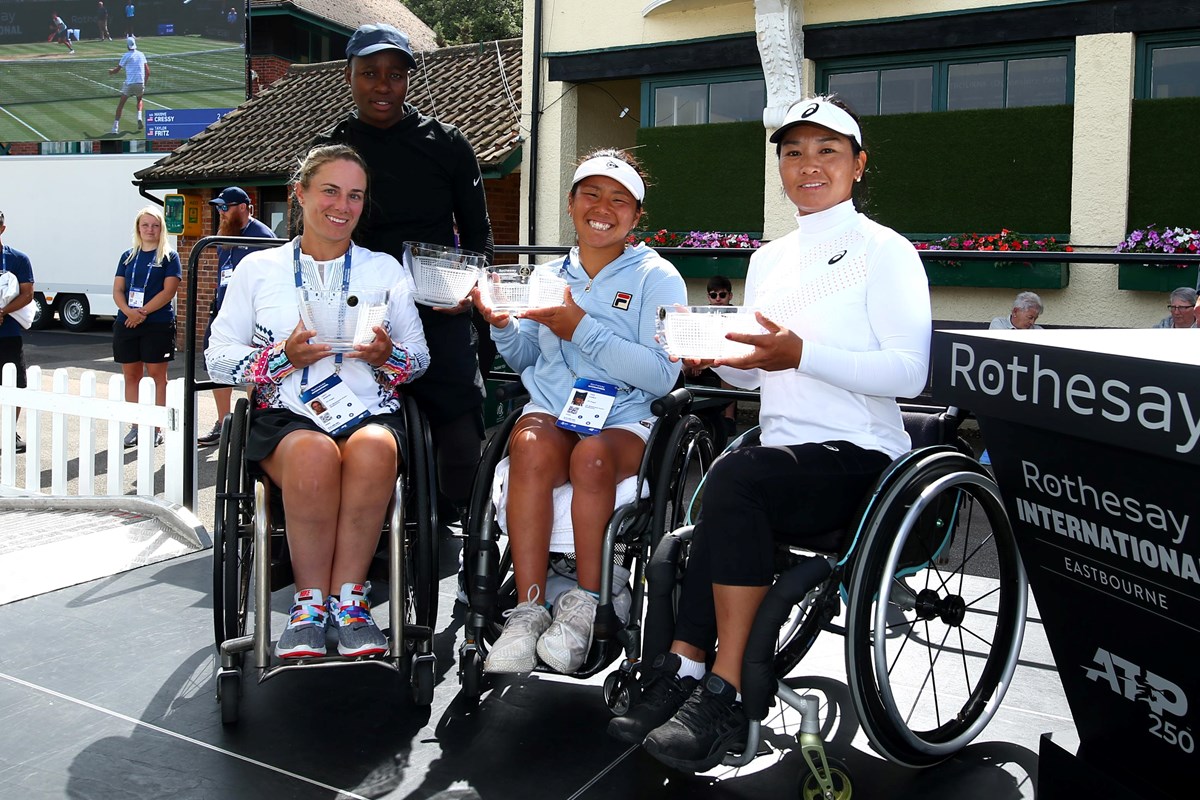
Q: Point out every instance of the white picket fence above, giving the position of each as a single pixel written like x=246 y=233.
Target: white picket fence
x=76 y=419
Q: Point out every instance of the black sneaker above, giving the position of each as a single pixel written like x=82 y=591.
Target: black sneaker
x=19 y=444
x=662 y=693
x=210 y=438
x=710 y=724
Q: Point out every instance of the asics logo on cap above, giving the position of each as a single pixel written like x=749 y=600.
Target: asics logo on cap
x=611 y=164
x=808 y=112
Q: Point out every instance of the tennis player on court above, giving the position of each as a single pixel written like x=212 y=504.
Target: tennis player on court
x=60 y=34
x=137 y=74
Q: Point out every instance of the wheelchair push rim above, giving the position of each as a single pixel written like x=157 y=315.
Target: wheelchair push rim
x=931 y=654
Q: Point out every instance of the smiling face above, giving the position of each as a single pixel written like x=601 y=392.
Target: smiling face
x=818 y=167
x=332 y=203
x=149 y=230
x=379 y=84
x=604 y=212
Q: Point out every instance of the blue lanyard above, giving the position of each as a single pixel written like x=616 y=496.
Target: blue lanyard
x=133 y=287
x=337 y=358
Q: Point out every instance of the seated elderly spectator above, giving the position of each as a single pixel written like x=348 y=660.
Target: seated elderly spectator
x=1182 y=308
x=1025 y=312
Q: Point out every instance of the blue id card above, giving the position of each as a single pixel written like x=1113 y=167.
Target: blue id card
x=333 y=406
x=587 y=407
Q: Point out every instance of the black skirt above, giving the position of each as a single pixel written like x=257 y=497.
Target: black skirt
x=268 y=426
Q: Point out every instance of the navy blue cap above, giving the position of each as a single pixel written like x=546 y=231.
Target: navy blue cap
x=374 y=37
x=230 y=197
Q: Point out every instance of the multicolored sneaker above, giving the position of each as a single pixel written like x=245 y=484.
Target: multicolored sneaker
x=358 y=635
x=304 y=636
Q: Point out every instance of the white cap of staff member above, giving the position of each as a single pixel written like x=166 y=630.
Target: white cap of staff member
x=613 y=168
x=819 y=111
x=130 y=43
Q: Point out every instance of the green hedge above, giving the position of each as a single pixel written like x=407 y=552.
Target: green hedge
x=1164 y=163
x=978 y=170
x=704 y=177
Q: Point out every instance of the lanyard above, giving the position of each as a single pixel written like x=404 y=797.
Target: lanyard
x=133 y=287
x=337 y=359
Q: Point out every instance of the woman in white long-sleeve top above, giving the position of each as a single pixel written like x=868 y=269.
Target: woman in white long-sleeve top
x=592 y=368
x=327 y=429
x=845 y=302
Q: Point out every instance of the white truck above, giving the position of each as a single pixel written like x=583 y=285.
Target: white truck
x=73 y=216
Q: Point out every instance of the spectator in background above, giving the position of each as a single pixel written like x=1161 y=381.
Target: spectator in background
x=130 y=11
x=1182 y=308
x=102 y=21
x=236 y=212
x=1027 y=307
x=144 y=288
x=425 y=184
x=16 y=273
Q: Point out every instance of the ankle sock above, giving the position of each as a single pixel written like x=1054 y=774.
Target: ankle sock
x=690 y=668
x=596 y=595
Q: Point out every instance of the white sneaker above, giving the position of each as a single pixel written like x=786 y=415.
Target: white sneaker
x=516 y=649
x=565 y=644
x=131 y=437
x=116 y=127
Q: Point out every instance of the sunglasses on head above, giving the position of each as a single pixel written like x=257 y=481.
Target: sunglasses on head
x=718 y=294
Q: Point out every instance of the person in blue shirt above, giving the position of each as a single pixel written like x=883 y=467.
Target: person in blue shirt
x=16 y=264
x=601 y=340
x=144 y=288
x=236 y=219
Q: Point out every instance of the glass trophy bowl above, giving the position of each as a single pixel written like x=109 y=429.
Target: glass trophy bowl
x=520 y=287
x=343 y=319
x=699 y=331
x=442 y=275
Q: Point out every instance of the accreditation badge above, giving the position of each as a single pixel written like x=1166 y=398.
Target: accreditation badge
x=587 y=407
x=333 y=406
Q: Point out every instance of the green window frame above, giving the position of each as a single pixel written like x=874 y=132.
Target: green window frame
x=943 y=74
x=702 y=86
x=1153 y=48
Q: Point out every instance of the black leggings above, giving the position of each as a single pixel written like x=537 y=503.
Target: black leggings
x=457 y=448
x=756 y=497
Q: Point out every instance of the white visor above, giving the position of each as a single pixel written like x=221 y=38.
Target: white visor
x=819 y=111
x=614 y=168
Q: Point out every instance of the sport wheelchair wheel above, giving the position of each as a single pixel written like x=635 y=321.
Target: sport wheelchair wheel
x=232 y=556
x=936 y=611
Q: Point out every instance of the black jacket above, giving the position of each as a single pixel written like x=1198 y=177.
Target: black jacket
x=424 y=180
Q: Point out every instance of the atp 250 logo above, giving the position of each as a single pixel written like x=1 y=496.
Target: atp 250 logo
x=1164 y=698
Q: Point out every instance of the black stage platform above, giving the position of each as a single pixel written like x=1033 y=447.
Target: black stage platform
x=107 y=691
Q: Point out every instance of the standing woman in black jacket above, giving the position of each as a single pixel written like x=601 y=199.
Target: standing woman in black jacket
x=425 y=184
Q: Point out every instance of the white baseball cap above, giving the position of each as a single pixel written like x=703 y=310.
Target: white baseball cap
x=615 y=168
x=130 y=43
x=819 y=111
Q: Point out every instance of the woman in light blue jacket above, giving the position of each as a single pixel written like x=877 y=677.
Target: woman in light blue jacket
x=592 y=367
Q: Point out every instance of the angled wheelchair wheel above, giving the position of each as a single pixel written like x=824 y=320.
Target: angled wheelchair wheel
x=232 y=544
x=817 y=608
x=936 y=611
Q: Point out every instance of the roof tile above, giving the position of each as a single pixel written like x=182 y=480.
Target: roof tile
x=475 y=87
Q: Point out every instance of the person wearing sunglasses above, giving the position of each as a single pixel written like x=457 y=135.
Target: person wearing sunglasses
x=1181 y=308
x=720 y=291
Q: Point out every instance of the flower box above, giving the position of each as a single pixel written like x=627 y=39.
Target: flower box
x=1153 y=278
x=1000 y=274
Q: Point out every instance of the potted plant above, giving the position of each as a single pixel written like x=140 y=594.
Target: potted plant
x=701 y=266
x=1014 y=274
x=1160 y=277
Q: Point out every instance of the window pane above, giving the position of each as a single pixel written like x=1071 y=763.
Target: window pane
x=859 y=90
x=1175 y=72
x=1037 y=82
x=737 y=101
x=978 y=85
x=906 y=91
x=681 y=105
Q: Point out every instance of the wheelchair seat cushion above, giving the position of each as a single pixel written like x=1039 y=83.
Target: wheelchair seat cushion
x=562 y=534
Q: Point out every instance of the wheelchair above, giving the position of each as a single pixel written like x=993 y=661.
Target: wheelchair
x=251 y=560
x=679 y=448
x=933 y=586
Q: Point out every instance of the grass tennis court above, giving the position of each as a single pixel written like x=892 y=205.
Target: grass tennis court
x=47 y=94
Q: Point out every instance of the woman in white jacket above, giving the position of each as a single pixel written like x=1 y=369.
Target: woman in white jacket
x=327 y=427
x=845 y=302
